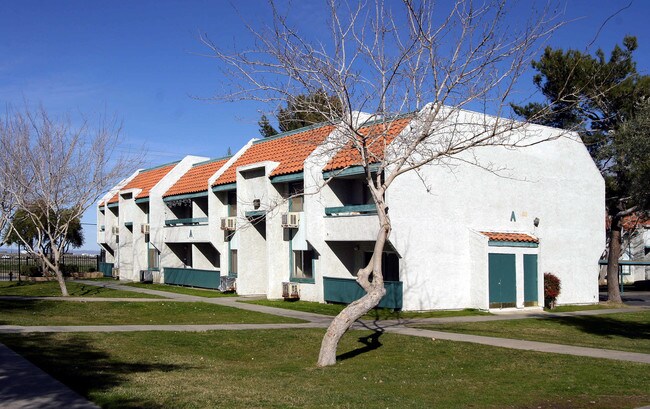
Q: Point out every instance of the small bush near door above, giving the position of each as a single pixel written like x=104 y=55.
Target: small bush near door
x=552 y=288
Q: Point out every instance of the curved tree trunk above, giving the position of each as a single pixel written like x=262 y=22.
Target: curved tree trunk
x=375 y=291
x=61 y=281
x=54 y=266
x=344 y=321
x=613 y=291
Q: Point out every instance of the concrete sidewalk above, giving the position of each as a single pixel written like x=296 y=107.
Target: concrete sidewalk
x=23 y=385
x=525 y=345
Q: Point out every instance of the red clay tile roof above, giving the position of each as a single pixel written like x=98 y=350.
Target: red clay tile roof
x=383 y=133
x=513 y=237
x=145 y=180
x=634 y=221
x=290 y=150
x=196 y=179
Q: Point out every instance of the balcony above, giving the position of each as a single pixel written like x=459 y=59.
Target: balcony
x=351 y=223
x=191 y=230
x=351 y=210
x=192 y=221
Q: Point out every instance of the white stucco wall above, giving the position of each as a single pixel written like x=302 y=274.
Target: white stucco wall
x=555 y=181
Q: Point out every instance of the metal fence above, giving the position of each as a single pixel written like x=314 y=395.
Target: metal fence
x=11 y=264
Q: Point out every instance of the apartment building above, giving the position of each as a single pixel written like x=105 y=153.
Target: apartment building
x=290 y=216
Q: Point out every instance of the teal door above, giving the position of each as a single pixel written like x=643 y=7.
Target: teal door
x=503 y=288
x=530 y=280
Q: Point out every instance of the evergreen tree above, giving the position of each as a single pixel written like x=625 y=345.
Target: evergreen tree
x=301 y=111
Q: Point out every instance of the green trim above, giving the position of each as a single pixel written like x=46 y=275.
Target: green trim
x=106 y=269
x=159 y=166
x=142 y=200
x=113 y=205
x=626 y=263
x=205 y=162
x=255 y=213
x=292 y=177
x=291 y=256
x=366 y=209
x=148 y=245
x=495 y=243
x=302 y=280
x=189 y=221
x=185 y=196
x=222 y=188
x=192 y=277
x=351 y=171
x=346 y=290
x=531 y=279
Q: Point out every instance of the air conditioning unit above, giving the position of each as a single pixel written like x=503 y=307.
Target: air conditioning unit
x=144 y=228
x=229 y=223
x=115 y=272
x=115 y=230
x=291 y=220
x=227 y=284
x=290 y=291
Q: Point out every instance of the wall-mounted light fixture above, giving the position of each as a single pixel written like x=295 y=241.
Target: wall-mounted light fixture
x=536 y=221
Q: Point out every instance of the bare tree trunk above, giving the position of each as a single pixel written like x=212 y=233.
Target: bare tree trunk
x=375 y=291
x=61 y=281
x=613 y=292
x=55 y=266
x=344 y=321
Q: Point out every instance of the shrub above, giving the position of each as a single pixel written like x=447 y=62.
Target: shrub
x=92 y=269
x=552 y=289
x=34 y=271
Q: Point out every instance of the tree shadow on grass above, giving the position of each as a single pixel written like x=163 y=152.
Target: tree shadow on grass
x=607 y=327
x=370 y=343
x=8 y=306
x=87 y=370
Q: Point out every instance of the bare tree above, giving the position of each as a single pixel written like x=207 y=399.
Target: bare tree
x=52 y=172
x=380 y=60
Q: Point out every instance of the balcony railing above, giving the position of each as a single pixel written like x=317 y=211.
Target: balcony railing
x=192 y=277
x=351 y=210
x=194 y=221
x=345 y=290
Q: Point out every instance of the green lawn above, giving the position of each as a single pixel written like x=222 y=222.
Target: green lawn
x=379 y=313
x=621 y=331
x=572 y=308
x=44 y=312
x=276 y=369
x=182 y=290
x=52 y=289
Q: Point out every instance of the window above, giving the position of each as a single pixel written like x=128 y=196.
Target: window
x=302 y=265
x=153 y=259
x=296 y=202
x=232 y=270
x=232 y=203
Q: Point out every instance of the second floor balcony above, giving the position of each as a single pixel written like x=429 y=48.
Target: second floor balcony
x=187 y=230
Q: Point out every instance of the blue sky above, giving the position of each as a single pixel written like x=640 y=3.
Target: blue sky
x=140 y=60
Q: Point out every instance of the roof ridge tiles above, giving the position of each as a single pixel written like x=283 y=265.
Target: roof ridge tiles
x=160 y=166
x=293 y=132
x=206 y=162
